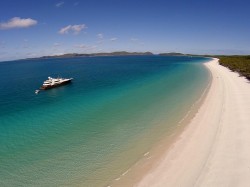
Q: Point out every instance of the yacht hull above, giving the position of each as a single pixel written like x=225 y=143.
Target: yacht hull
x=55 y=85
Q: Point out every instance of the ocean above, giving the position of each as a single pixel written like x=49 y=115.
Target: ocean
x=89 y=132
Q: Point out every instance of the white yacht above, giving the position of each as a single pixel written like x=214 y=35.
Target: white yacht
x=55 y=82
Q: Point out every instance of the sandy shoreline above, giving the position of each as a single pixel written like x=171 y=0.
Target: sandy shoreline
x=214 y=149
x=151 y=157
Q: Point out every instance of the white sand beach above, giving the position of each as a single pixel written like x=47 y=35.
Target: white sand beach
x=214 y=149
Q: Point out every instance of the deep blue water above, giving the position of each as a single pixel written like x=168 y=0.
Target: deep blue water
x=79 y=133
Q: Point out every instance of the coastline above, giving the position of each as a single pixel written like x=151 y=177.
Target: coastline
x=213 y=149
x=119 y=136
x=151 y=159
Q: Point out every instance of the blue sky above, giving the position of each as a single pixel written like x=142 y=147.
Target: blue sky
x=47 y=27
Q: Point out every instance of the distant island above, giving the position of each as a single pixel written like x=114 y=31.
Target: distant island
x=173 y=54
x=237 y=63
x=117 y=53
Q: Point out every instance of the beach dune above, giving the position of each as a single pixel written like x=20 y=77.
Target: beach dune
x=214 y=149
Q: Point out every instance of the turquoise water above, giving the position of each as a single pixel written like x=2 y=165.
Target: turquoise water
x=89 y=132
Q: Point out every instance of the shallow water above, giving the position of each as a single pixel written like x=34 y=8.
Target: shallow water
x=89 y=132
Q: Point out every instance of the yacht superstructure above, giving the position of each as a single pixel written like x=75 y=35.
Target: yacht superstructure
x=55 y=82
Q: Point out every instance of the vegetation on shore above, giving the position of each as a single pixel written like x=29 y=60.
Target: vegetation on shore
x=240 y=64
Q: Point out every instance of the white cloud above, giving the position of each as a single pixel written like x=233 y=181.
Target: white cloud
x=76 y=29
x=18 y=22
x=100 y=36
x=65 y=30
x=113 y=39
x=59 y=4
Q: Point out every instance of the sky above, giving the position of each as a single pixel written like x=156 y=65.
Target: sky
x=30 y=28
